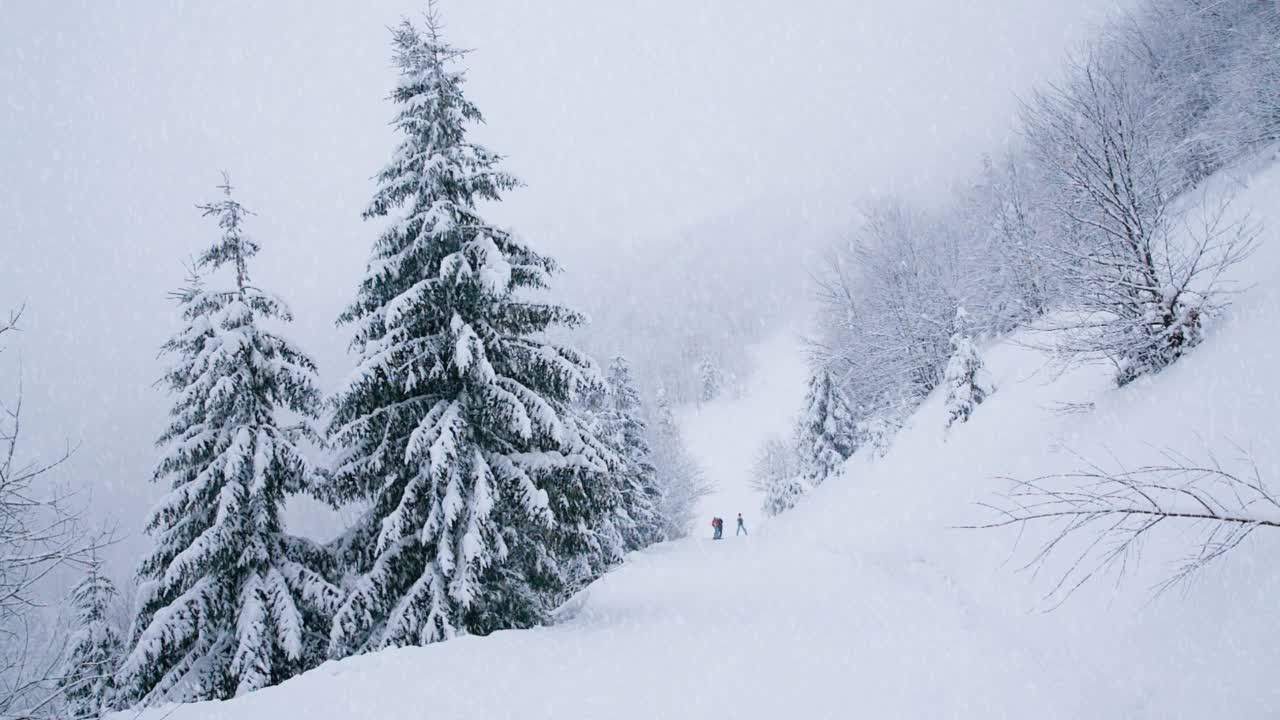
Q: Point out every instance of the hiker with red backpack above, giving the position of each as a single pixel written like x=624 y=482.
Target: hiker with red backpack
x=718 y=526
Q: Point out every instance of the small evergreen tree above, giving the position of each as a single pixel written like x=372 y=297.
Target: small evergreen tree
x=229 y=603
x=456 y=428
x=664 y=420
x=86 y=680
x=825 y=437
x=967 y=385
x=639 y=517
x=710 y=380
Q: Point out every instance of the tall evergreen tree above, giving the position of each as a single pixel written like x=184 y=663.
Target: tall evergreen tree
x=455 y=428
x=87 y=678
x=228 y=602
x=639 y=514
x=825 y=437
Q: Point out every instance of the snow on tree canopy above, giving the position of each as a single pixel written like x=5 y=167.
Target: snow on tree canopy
x=966 y=381
x=454 y=427
x=782 y=493
x=86 y=681
x=776 y=473
x=624 y=429
x=825 y=437
x=228 y=602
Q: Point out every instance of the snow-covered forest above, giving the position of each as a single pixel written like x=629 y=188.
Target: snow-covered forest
x=497 y=361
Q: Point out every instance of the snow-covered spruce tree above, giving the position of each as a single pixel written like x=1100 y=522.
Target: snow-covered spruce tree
x=228 y=602
x=825 y=434
x=966 y=379
x=623 y=427
x=455 y=429
x=663 y=421
x=87 y=680
x=710 y=380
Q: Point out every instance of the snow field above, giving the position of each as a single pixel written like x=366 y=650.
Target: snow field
x=867 y=600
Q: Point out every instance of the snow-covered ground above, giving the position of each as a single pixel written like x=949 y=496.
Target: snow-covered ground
x=867 y=601
x=724 y=435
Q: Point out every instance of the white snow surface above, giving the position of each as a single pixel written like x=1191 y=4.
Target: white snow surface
x=867 y=601
x=725 y=435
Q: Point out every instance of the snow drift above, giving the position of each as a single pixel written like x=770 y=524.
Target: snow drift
x=868 y=600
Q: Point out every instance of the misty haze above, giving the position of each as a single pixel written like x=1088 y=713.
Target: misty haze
x=493 y=359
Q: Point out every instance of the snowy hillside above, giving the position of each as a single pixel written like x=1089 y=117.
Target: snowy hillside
x=866 y=600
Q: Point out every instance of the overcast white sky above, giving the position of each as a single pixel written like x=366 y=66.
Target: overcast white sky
x=630 y=122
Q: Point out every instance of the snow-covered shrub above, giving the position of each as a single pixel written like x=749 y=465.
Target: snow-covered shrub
x=876 y=432
x=783 y=493
x=776 y=474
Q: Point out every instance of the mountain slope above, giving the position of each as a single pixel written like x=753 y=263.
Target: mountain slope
x=866 y=600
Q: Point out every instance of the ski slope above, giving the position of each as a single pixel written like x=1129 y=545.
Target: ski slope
x=724 y=435
x=867 y=601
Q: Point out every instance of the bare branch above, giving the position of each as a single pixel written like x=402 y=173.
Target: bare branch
x=1112 y=511
x=41 y=531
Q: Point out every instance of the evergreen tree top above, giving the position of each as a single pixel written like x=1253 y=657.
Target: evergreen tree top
x=435 y=161
x=92 y=596
x=621 y=385
x=234 y=246
x=439 y=252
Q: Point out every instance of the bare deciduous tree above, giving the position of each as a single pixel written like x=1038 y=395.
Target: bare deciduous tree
x=1006 y=285
x=40 y=531
x=888 y=296
x=1093 y=231
x=1103 y=515
x=1137 y=289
